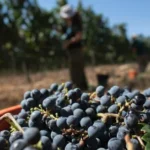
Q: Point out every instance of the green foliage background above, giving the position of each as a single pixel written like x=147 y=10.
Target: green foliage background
x=28 y=38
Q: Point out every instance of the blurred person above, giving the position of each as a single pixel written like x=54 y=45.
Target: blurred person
x=72 y=43
x=139 y=49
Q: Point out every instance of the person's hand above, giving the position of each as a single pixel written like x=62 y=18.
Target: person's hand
x=66 y=44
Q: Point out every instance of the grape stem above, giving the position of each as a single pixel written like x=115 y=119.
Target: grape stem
x=129 y=144
x=140 y=140
x=106 y=115
x=8 y=117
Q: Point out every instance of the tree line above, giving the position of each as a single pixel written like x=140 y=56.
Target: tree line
x=28 y=39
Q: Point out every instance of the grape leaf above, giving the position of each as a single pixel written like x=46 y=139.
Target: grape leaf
x=147 y=146
x=146 y=128
x=146 y=137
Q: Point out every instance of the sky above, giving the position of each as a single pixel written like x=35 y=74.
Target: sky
x=135 y=13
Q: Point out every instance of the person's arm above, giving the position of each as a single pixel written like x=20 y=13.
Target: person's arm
x=74 y=39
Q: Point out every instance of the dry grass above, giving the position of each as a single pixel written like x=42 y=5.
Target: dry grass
x=12 y=87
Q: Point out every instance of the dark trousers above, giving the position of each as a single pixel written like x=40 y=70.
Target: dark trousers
x=142 y=62
x=76 y=68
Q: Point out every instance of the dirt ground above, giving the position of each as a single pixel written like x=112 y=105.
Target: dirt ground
x=13 y=86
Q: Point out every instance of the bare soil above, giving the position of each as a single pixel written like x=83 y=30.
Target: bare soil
x=12 y=87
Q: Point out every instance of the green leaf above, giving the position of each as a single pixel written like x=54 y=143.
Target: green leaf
x=140 y=126
x=146 y=128
x=147 y=146
x=146 y=137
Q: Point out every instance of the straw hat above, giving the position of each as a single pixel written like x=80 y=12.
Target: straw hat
x=67 y=11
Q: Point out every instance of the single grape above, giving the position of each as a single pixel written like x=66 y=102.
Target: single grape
x=3 y=143
x=32 y=135
x=115 y=144
x=71 y=146
x=105 y=100
x=36 y=116
x=15 y=136
x=27 y=94
x=93 y=131
x=54 y=87
x=113 y=109
x=85 y=97
x=66 y=111
x=113 y=131
x=45 y=133
x=35 y=94
x=85 y=122
x=146 y=105
x=78 y=113
x=5 y=134
x=75 y=106
x=100 y=91
x=44 y=93
x=136 y=144
x=100 y=109
x=78 y=92
x=19 y=144
x=68 y=85
x=90 y=112
x=131 y=120
x=121 y=100
x=49 y=102
x=61 y=122
x=46 y=143
x=72 y=121
x=59 y=141
x=139 y=99
x=114 y=91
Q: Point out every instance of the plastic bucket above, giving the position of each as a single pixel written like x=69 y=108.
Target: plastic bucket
x=132 y=74
x=13 y=110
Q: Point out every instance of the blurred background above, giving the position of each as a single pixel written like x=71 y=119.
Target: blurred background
x=31 y=54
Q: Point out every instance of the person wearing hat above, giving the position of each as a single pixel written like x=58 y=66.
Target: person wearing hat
x=139 y=49
x=72 y=43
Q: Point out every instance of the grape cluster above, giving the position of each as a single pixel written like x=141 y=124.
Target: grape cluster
x=65 y=118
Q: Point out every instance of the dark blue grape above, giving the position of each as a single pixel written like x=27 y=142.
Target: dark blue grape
x=3 y=143
x=113 y=109
x=147 y=92
x=72 y=121
x=131 y=120
x=146 y=105
x=78 y=92
x=68 y=85
x=72 y=95
x=61 y=122
x=23 y=115
x=90 y=112
x=61 y=100
x=114 y=91
x=105 y=100
x=66 y=111
x=136 y=144
x=78 y=113
x=100 y=91
x=113 y=131
x=44 y=93
x=36 y=116
x=54 y=87
x=5 y=134
x=92 y=143
x=49 y=102
x=139 y=99
x=44 y=133
x=121 y=100
x=22 y=122
x=101 y=109
x=30 y=148
x=75 y=106
x=100 y=125
x=71 y=146
x=15 y=136
x=30 y=103
x=35 y=94
x=27 y=95
x=122 y=132
x=93 y=131
x=32 y=135
x=85 y=122
x=85 y=97
x=46 y=143
x=115 y=144
x=59 y=141
x=19 y=144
